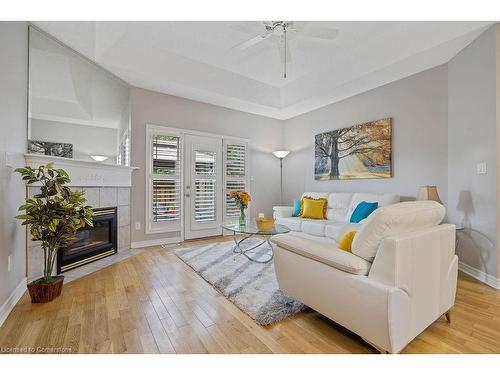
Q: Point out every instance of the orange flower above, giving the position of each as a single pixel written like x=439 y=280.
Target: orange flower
x=242 y=198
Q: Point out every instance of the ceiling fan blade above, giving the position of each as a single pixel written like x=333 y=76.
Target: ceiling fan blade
x=318 y=32
x=247 y=27
x=251 y=42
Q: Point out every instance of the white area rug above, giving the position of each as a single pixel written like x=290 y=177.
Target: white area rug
x=250 y=286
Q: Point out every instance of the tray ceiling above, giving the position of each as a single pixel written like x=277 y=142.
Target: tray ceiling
x=196 y=60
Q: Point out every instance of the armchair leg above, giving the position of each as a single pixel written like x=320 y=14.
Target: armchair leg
x=447 y=314
x=379 y=349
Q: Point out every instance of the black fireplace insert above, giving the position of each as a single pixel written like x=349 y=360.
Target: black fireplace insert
x=92 y=243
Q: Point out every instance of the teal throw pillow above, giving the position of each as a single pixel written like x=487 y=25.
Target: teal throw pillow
x=296 y=208
x=362 y=211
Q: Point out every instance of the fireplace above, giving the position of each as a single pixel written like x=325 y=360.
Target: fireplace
x=92 y=243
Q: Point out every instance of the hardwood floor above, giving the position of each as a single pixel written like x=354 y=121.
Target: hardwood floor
x=154 y=303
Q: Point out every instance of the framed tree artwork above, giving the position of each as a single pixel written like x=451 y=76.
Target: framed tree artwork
x=63 y=150
x=359 y=152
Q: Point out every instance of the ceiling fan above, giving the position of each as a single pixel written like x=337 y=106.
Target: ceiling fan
x=280 y=30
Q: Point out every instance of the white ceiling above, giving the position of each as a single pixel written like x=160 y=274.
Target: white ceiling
x=196 y=59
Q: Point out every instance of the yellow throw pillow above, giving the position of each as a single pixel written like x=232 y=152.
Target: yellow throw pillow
x=311 y=208
x=345 y=242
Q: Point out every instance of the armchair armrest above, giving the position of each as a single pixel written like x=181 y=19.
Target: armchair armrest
x=282 y=211
x=424 y=265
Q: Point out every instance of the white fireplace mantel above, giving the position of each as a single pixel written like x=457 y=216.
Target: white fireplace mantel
x=86 y=173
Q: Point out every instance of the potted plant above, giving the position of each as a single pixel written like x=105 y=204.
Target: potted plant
x=53 y=215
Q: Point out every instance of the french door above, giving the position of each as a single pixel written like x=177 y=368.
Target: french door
x=203 y=187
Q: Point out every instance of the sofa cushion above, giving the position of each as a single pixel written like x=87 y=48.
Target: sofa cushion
x=381 y=199
x=338 y=206
x=393 y=220
x=323 y=253
x=313 y=227
x=310 y=237
x=294 y=223
x=317 y=227
x=335 y=230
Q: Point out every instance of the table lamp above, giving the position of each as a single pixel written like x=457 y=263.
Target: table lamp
x=428 y=193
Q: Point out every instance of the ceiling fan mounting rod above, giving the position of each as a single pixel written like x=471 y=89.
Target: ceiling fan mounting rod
x=278 y=32
x=285 y=47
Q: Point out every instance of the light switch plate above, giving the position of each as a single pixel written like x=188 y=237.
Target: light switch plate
x=137 y=225
x=481 y=168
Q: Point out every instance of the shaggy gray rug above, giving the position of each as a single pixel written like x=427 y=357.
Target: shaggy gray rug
x=250 y=286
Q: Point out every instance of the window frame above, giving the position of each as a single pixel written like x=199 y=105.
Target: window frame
x=125 y=138
x=246 y=178
x=152 y=227
x=205 y=177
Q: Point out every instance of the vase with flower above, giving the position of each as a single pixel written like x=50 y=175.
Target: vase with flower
x=241 y=198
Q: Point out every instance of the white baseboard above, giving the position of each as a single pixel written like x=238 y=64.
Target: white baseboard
x=161 y=241
x=14 y=297
x=479 y=275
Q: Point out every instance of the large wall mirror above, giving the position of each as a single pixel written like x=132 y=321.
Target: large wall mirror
x=76 y=108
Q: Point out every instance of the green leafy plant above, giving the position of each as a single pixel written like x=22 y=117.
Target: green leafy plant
x=55 y=214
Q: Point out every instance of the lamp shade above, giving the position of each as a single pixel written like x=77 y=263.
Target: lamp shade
x=281 y=154
x=428 y=193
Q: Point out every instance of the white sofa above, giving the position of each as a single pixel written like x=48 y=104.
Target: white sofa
x=338 y=213
x=400 y=277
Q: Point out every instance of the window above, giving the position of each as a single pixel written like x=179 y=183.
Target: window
x=236 y=175
x=124 y=150
x=205 y=201
x=165 y=190
x=164 y=187
x=231 y=209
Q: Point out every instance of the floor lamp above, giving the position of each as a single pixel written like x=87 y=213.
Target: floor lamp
x=281 y=154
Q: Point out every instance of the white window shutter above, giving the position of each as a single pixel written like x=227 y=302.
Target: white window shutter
x=205 y=200
x=165 y=173
x=235 y=174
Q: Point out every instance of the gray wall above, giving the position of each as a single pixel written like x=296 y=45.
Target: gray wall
x=13 y=130
x=472 y=138
x=497 y=47
x=418 y=107
x=264 y=134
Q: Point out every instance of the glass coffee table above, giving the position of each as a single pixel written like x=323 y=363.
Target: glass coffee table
x=250 y=230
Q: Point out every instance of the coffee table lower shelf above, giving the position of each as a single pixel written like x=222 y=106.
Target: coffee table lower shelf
x=249 y=231
x=239 y=250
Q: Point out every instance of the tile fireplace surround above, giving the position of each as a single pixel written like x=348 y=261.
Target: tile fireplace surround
x=105 y=185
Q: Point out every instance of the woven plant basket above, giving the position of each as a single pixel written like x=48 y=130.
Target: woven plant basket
x=41 y=293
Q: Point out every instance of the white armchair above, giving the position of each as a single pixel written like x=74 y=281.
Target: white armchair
x=411 y=282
